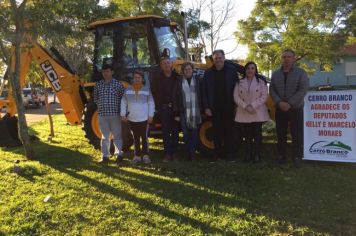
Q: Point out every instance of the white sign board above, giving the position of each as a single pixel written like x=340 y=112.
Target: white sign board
x=330 y=126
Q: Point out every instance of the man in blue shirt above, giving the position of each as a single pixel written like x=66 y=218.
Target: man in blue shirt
x=107 y=96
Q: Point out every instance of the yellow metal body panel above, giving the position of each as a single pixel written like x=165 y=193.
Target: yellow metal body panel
x=65 y=84
x=120 y=19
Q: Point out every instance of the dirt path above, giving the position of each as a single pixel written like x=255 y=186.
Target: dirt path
x=34 y=115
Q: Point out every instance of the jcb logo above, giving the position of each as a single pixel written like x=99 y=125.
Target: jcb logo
x=199 y=72
x=51 y=75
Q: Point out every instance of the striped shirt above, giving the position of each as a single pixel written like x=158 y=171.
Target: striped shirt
x=107 y=97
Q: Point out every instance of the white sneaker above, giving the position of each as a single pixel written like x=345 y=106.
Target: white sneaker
x=146 y=159
x=136 y=160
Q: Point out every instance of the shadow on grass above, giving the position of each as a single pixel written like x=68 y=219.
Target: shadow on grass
x=30 y=172
x=282 y=193
x=71 y=162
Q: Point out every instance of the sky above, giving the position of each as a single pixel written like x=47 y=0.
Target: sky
x=242 y=10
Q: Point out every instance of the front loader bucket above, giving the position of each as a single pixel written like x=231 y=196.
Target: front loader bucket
x=8 y=132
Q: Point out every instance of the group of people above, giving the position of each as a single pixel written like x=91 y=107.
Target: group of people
x=184 y=100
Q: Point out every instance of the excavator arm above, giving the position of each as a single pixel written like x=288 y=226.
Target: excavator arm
x=64 y=82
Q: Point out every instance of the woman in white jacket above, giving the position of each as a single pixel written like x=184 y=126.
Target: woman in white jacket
x=137 y=108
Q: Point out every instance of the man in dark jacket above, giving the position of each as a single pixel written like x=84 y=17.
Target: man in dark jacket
x=288 y=87
x=163 y=83
x=218 y=103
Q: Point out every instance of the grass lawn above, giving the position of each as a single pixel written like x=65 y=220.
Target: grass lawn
x=184 y=198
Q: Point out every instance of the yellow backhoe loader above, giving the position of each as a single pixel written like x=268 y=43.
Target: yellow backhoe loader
x=127 y=43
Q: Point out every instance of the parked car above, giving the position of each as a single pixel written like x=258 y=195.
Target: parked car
x=41 y=97
x=3 y=96
x=30 y=98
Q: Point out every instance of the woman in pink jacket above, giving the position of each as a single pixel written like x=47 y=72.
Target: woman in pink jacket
x=250 y=95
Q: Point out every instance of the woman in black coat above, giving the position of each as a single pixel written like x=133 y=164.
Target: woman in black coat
x=187 y=107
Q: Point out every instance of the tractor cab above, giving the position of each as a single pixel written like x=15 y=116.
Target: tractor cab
x=133 y=43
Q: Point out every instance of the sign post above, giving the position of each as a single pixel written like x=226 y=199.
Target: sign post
x=330 y=126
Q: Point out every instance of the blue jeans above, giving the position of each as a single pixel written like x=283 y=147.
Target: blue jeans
x=190 y=136
x=169 y=130
x=110 y=125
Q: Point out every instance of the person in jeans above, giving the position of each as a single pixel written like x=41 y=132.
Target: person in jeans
x=137 y=108
x=250 y=95
x=288 y=87
x=162 y=90
x=187 y=107
x=107 y=96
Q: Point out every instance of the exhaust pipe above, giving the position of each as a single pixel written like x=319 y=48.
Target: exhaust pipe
x=185 y=36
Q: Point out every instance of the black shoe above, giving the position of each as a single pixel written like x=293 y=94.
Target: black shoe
x=119 y=159
x=256 y=152
x=282 y=160
x=104 y=160
x=195 y=156
x=175 y=158
x=167 y=158
x=297 y=162
x=248 y=155
x=214 y=159
x=257 y=158
x=248 y=151
x=231 y=158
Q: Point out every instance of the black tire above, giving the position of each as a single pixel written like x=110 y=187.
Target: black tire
x=205 y=134
x=9 y=132
x=91 y=134
x=92 y=137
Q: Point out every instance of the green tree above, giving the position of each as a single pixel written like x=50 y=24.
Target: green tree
x=60 y=23
x=315 y=29
x=197 y=31
x=165 y=8
x=17 y=16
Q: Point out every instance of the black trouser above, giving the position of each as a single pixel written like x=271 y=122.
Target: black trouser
x=252 y=132
x=169 y=130
x=140 y=132
x=223 y=131
x=293 y=118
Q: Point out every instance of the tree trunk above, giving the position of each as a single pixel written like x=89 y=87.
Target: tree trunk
x=15 y=83
x=51 y=135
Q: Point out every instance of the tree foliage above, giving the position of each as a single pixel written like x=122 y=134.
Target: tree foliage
x=165 y=8
x=61 y=24
x=315 y=29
